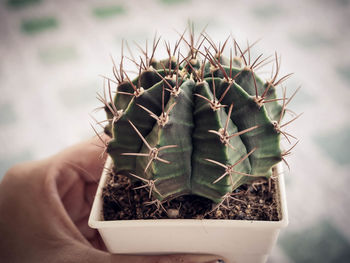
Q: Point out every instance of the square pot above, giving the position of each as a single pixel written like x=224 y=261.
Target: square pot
x=235 y=240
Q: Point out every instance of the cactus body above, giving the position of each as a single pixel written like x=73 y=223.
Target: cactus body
x=178 y=129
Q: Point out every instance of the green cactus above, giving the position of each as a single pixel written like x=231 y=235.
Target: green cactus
x=201 y=124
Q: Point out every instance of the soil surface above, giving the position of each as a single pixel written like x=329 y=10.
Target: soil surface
x=121 y=201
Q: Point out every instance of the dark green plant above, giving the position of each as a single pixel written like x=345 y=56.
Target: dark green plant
x=200 y=124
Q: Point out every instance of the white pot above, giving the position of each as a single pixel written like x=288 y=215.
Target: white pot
x=235 y=240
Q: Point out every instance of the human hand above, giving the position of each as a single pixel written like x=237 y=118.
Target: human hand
x=44 y=209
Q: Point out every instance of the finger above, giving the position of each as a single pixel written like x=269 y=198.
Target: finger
x=97 y=242
x=88 y=232
x=90 y=191
x=85 y=158
x=77 y=170
x=167 y=259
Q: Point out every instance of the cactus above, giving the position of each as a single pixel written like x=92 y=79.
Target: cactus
x=201 y=124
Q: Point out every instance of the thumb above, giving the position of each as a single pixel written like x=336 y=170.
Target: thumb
x=92 y=255
x=167 y=259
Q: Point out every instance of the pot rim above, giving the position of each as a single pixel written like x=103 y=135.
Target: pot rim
x=96 y=222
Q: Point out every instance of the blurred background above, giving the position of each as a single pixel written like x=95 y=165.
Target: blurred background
x=52 y=53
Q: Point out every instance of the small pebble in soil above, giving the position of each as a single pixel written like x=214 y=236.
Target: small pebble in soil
x=173 y=213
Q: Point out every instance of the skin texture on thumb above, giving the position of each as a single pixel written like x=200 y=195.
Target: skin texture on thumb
x=167 y=259
x=79 y=253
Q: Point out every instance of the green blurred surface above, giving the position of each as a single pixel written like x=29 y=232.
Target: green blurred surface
x=37 y=25
x=321 y=243
x=108 y=11
x=7 y=114
x=17 y=4
x=335 y=144
x=58 y=54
